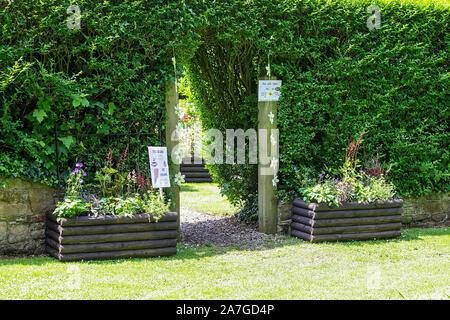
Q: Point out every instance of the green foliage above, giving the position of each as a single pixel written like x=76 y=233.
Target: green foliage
x=338 y=77
x=110 y=180
x=107 y=77
x=147 y=202
x=249 y=212
x=381 y=189
x=71 y=207
x=114 y=193
x=325 y=192
x=151 y=202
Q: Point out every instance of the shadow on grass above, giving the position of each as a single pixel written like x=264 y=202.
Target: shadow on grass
x=209 y=250
x=407 y=235
x=188 y=188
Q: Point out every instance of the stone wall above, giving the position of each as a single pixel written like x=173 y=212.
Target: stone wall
x=23 y=204
x=427 y=211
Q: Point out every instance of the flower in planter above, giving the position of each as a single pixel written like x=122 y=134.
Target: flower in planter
x=141 y=182
x=179 y=178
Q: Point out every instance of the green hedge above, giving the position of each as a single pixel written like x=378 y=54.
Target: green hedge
x=107 y=77
x=338 y=78
x=393 y=81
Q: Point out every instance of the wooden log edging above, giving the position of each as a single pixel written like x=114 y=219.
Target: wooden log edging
x=397 y=203
x=111 y=219
x=351 y=221
x=158 y=252
x=111 y=237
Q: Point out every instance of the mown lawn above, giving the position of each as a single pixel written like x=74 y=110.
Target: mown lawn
x=415 y=266
x=205 y=197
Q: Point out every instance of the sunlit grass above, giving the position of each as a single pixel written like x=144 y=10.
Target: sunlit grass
x=415 y=266
x=205 y=197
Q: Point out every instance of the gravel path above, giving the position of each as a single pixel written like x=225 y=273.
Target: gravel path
x=203 y=228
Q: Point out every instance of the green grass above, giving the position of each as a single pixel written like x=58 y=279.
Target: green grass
x=415 y=266
x=205 y=197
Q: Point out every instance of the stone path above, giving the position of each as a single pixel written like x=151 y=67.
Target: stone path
x=203 y=228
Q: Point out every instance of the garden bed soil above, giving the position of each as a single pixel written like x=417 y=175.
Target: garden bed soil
x=350 y=221
x=111 y=237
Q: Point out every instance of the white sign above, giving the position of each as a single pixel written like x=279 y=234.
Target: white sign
x=269 y=90
x=159 y=167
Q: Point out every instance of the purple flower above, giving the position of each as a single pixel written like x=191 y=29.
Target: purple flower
x=295 y=168
x=84 y=174
x=80 y=180
x=75 y=171
x=79 y=165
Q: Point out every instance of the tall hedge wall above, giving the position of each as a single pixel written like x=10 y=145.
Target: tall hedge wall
x=338 y=78
x=107 y=77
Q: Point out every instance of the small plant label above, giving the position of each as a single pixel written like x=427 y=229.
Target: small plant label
x=159 y=167
x=269 y=90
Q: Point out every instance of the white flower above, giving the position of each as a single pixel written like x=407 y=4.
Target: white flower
x=268 y=70
x=273 y=140
x=275 y=181
x=179 y=178
x=274 y=163
x=271 y=116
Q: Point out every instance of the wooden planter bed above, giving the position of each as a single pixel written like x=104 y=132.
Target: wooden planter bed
x=111 y=237
x=351 y=221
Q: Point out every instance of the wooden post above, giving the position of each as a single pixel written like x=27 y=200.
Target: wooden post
x=267 y=204
x=171 y=124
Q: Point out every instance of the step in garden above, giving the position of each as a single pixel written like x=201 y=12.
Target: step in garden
x=194 y=170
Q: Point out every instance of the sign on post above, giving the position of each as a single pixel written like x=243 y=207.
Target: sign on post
x=159 y=167
x=269 y=90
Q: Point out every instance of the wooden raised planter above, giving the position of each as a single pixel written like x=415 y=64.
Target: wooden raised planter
x=350 y=221
x=111 y=237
